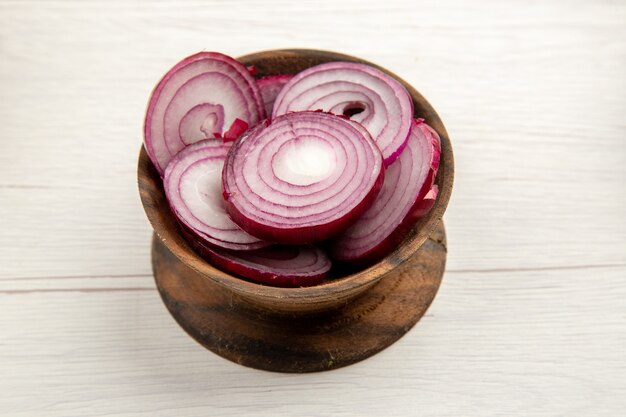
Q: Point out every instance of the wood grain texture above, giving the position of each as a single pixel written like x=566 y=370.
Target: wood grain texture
x=529 y=320
x=260 y=338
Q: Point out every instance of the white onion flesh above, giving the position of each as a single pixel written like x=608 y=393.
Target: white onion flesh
x=193 y=187
x=381 y=103
x=302 y=178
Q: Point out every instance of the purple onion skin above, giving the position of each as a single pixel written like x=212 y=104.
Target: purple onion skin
x=436 y=143
x=268 y=277
x=422 y=205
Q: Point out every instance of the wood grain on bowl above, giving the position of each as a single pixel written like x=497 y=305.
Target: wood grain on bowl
x=216 y=319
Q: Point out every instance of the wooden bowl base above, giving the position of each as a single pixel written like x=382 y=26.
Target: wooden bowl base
x=287 y=343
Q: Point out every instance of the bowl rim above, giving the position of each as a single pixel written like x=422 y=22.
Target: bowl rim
x=148 y=178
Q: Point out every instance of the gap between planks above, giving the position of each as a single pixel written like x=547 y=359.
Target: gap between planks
x=13 y=291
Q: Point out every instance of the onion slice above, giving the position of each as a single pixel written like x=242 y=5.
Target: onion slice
x=303 y=178
x=427 y=202
x=200 y=97
x=192 y=184
x=407 y=194
x=363 y=93
x=269 y=87
x=277 y=265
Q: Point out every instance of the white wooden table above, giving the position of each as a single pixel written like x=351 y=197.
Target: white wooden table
x=531 y=317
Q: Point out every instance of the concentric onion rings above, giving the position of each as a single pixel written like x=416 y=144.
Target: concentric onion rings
x=192 y=184
x=201 y=97
x=303 y=178
x=407 y=193
x=365 y=94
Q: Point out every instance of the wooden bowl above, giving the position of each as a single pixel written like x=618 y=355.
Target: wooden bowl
x=173 y=257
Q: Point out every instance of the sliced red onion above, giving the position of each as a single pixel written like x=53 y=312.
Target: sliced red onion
x=270 y=86
x=427 y=202
x=277 y=265
x=407 y=194
x=252 y=70
x=192 y=185
x=303 y=178
x=199 y=98
x=363 y=93
x=236 y=129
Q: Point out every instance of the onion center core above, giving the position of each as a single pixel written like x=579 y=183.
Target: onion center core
x=208 y=126
x=304 y=161
x=201 y=122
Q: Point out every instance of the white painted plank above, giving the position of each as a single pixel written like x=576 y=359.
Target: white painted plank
x=120 y=353
x=530 y=318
